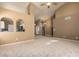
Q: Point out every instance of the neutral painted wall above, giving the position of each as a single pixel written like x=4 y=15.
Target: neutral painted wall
x=8 y=37
x=48 y=26
x=67 y=28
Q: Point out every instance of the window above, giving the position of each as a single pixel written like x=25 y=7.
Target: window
x=20 y=26
x=6 y=25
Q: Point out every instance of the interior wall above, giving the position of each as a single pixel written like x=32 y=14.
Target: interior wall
x=33 y=8
x=8 y=37
x=48 y=27
x=67 y=28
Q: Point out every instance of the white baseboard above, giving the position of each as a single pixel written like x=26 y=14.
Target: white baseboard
x=18 y=42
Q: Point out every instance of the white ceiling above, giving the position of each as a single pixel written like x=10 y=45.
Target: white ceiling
x=22 y=7
x=15 y=6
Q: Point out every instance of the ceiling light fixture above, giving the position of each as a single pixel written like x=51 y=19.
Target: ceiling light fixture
x=48 y=4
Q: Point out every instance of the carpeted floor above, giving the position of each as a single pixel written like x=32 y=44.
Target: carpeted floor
x=42 y=47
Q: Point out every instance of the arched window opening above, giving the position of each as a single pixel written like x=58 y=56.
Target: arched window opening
x=20 y=26
x=6 y=25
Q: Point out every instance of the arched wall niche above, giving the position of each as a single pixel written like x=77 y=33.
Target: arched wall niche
x=6 y=24
x=20 y=26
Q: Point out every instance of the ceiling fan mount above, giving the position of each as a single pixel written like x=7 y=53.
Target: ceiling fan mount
x=48 y=4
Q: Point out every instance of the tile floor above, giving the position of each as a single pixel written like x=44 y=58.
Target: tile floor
x=42 y=47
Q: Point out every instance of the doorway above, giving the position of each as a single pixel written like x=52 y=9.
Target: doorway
x=44 y=26
x=39 y=28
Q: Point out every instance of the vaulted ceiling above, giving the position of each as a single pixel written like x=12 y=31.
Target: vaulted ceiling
x=38 y=9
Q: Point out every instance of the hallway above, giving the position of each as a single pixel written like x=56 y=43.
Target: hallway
x=42 y=46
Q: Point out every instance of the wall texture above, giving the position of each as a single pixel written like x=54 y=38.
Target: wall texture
x=8 y=37
x=48 y=27
x=67 y=28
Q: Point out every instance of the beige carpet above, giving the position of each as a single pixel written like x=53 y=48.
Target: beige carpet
x=42 y=47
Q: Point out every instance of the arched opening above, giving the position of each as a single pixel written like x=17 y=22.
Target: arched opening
x=6 y=25
x=39 y=28
x=20 y=26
